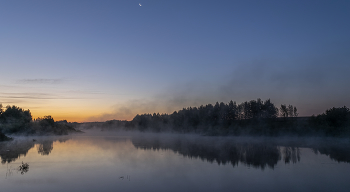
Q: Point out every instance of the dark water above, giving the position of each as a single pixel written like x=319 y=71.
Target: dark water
x=160 y=162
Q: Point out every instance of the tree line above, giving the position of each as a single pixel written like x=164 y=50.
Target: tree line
x=255 y=117
x=220 y=118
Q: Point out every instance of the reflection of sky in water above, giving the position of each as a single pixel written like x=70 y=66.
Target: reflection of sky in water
x=102 y=163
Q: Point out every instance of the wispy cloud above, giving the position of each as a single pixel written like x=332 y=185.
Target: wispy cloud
x=39 y=96
x=126 y=110
x=11 y=101
x=39 y=81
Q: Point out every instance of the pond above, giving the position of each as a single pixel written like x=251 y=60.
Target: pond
x=114 y=161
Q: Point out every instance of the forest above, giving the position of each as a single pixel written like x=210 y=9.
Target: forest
x=255 y=117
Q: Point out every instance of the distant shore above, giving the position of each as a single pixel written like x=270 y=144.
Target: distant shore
x=253 y=118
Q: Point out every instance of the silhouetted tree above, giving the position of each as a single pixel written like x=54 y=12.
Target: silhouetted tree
x=15 y=119
x=271 y=110
x=337 y=117
x=232 y=111
x=47 y=121
x=295 y=112
x=284 y=111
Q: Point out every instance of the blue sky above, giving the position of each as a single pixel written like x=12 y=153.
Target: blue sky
x=100 y=60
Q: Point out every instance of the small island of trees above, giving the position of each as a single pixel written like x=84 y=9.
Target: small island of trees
x=15 y=120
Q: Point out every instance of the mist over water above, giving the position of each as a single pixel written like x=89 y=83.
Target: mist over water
x=135 y=161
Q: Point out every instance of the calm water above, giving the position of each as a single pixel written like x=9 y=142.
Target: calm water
x=151 y=162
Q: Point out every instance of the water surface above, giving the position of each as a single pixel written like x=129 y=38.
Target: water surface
x=164 y=162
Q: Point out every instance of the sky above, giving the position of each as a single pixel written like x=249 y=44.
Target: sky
x=102 y=60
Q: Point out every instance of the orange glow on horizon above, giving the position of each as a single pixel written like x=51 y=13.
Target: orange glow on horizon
x=86 y=111
x=75 y=116
x=72 y=111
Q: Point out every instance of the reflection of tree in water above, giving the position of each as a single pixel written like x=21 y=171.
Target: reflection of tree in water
x=291 y=154
x=258 y=154
x=337 y=152
x=10 y=151
x=24 y=168
x=45 y=147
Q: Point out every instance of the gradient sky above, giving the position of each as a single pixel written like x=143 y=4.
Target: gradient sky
x=101 y=60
